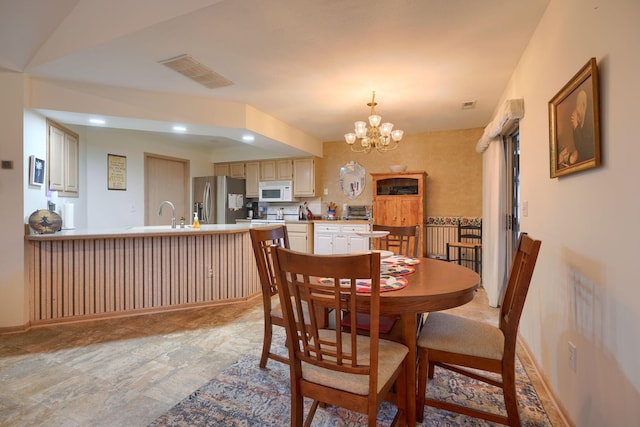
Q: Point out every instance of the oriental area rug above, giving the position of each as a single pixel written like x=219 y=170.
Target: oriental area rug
x=245 y=395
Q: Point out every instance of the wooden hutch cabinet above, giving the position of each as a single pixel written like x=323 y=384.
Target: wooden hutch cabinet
x=401 y=199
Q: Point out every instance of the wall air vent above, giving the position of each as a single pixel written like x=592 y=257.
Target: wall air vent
x=189 y=67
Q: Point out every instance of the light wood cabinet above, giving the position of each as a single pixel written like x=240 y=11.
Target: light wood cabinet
x=284 y=170
x=304 y=178
x=236 y=170
x=300 y=237
x=399 y=199
x=339 y=238
x=221 y=169
x=63 y=173
x=252 y=176
x=276 y=170
x=300 y=171
x=268 y=170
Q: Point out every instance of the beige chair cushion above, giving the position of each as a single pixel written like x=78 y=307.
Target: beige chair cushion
x=455 y=334
x=390 y=355
x=276 y=309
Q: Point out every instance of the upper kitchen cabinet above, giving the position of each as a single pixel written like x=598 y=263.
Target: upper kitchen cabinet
x=237 y=170
x=300 y=171
x=252 y=173
x=399 y=199
x=276 y=170
x=63 y=160
x=234 y=170
x=221 y=169
x=304 y=178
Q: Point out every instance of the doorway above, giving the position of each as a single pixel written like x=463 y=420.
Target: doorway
x=512 y=154
x=166 y=178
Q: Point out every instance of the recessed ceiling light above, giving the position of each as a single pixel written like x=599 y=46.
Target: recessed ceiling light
x=179 y=128
x=97 y=121
x=248 y=138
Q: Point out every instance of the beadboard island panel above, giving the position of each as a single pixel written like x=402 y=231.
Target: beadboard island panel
x=77 y=276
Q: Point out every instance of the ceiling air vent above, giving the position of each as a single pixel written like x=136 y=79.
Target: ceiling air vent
x=467 y=105
x=189 y=67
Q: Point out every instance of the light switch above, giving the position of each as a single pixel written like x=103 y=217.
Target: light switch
x=326 y=191
x=525 y=208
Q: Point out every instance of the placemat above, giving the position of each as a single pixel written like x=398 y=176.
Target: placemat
x=400 y=260
x=398 y=270
x=387 y=283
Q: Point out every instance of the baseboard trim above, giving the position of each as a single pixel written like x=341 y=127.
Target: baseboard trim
x=117 y=315
x=15 y=329
x=533 y=364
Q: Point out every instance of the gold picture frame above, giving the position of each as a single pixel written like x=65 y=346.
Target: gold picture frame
x=574 y=124
x=116 y=172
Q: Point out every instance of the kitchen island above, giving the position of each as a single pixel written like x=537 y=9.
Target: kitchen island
x=88 y=274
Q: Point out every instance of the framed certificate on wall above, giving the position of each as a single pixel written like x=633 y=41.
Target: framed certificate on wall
x=116 y=172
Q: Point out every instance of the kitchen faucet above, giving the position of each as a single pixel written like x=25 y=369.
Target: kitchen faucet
x=173 y=212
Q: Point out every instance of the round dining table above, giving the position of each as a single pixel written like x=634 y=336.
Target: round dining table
x=434 y=285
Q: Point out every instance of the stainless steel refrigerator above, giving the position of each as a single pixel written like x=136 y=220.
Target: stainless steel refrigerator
x=219 y=199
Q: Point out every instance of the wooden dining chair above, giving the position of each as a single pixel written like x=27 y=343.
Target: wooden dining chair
x=401 y=240
x=328 y=365
x=447 y=340
x=263 y=241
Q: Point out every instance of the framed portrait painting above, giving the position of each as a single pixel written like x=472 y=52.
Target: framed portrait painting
x=574 y=124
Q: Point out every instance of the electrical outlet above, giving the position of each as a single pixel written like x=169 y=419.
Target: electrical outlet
x=573 y=357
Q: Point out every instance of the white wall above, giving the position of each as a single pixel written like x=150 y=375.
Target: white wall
x=109 y=208
x=35 y=143
x=585 y=289
x=97 y=207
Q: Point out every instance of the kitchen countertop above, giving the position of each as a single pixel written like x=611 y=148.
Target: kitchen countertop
x=140 y=231
x=342 y=221
x=161 y=230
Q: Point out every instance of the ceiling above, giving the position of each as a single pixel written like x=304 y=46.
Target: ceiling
x=311 y=64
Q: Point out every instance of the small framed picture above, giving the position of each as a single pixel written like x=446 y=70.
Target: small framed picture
x=116 y=172
x=36 y=171
x=574 y=124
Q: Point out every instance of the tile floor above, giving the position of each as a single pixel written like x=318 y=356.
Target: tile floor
x=129 y=371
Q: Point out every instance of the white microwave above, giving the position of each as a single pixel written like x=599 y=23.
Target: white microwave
x=275 y=191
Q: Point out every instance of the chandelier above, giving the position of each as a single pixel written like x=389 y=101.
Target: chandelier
x=382 y=137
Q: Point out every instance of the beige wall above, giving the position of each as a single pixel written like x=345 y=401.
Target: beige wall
x=13 y=297
x=454 y=184
x=585 y=288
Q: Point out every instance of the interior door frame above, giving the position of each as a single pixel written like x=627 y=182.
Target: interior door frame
x=512 y=162
x=147 y=183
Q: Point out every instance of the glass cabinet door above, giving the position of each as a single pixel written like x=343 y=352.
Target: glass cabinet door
x=397 y=186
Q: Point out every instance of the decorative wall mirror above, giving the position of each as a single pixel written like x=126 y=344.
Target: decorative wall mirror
x=352 y=179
